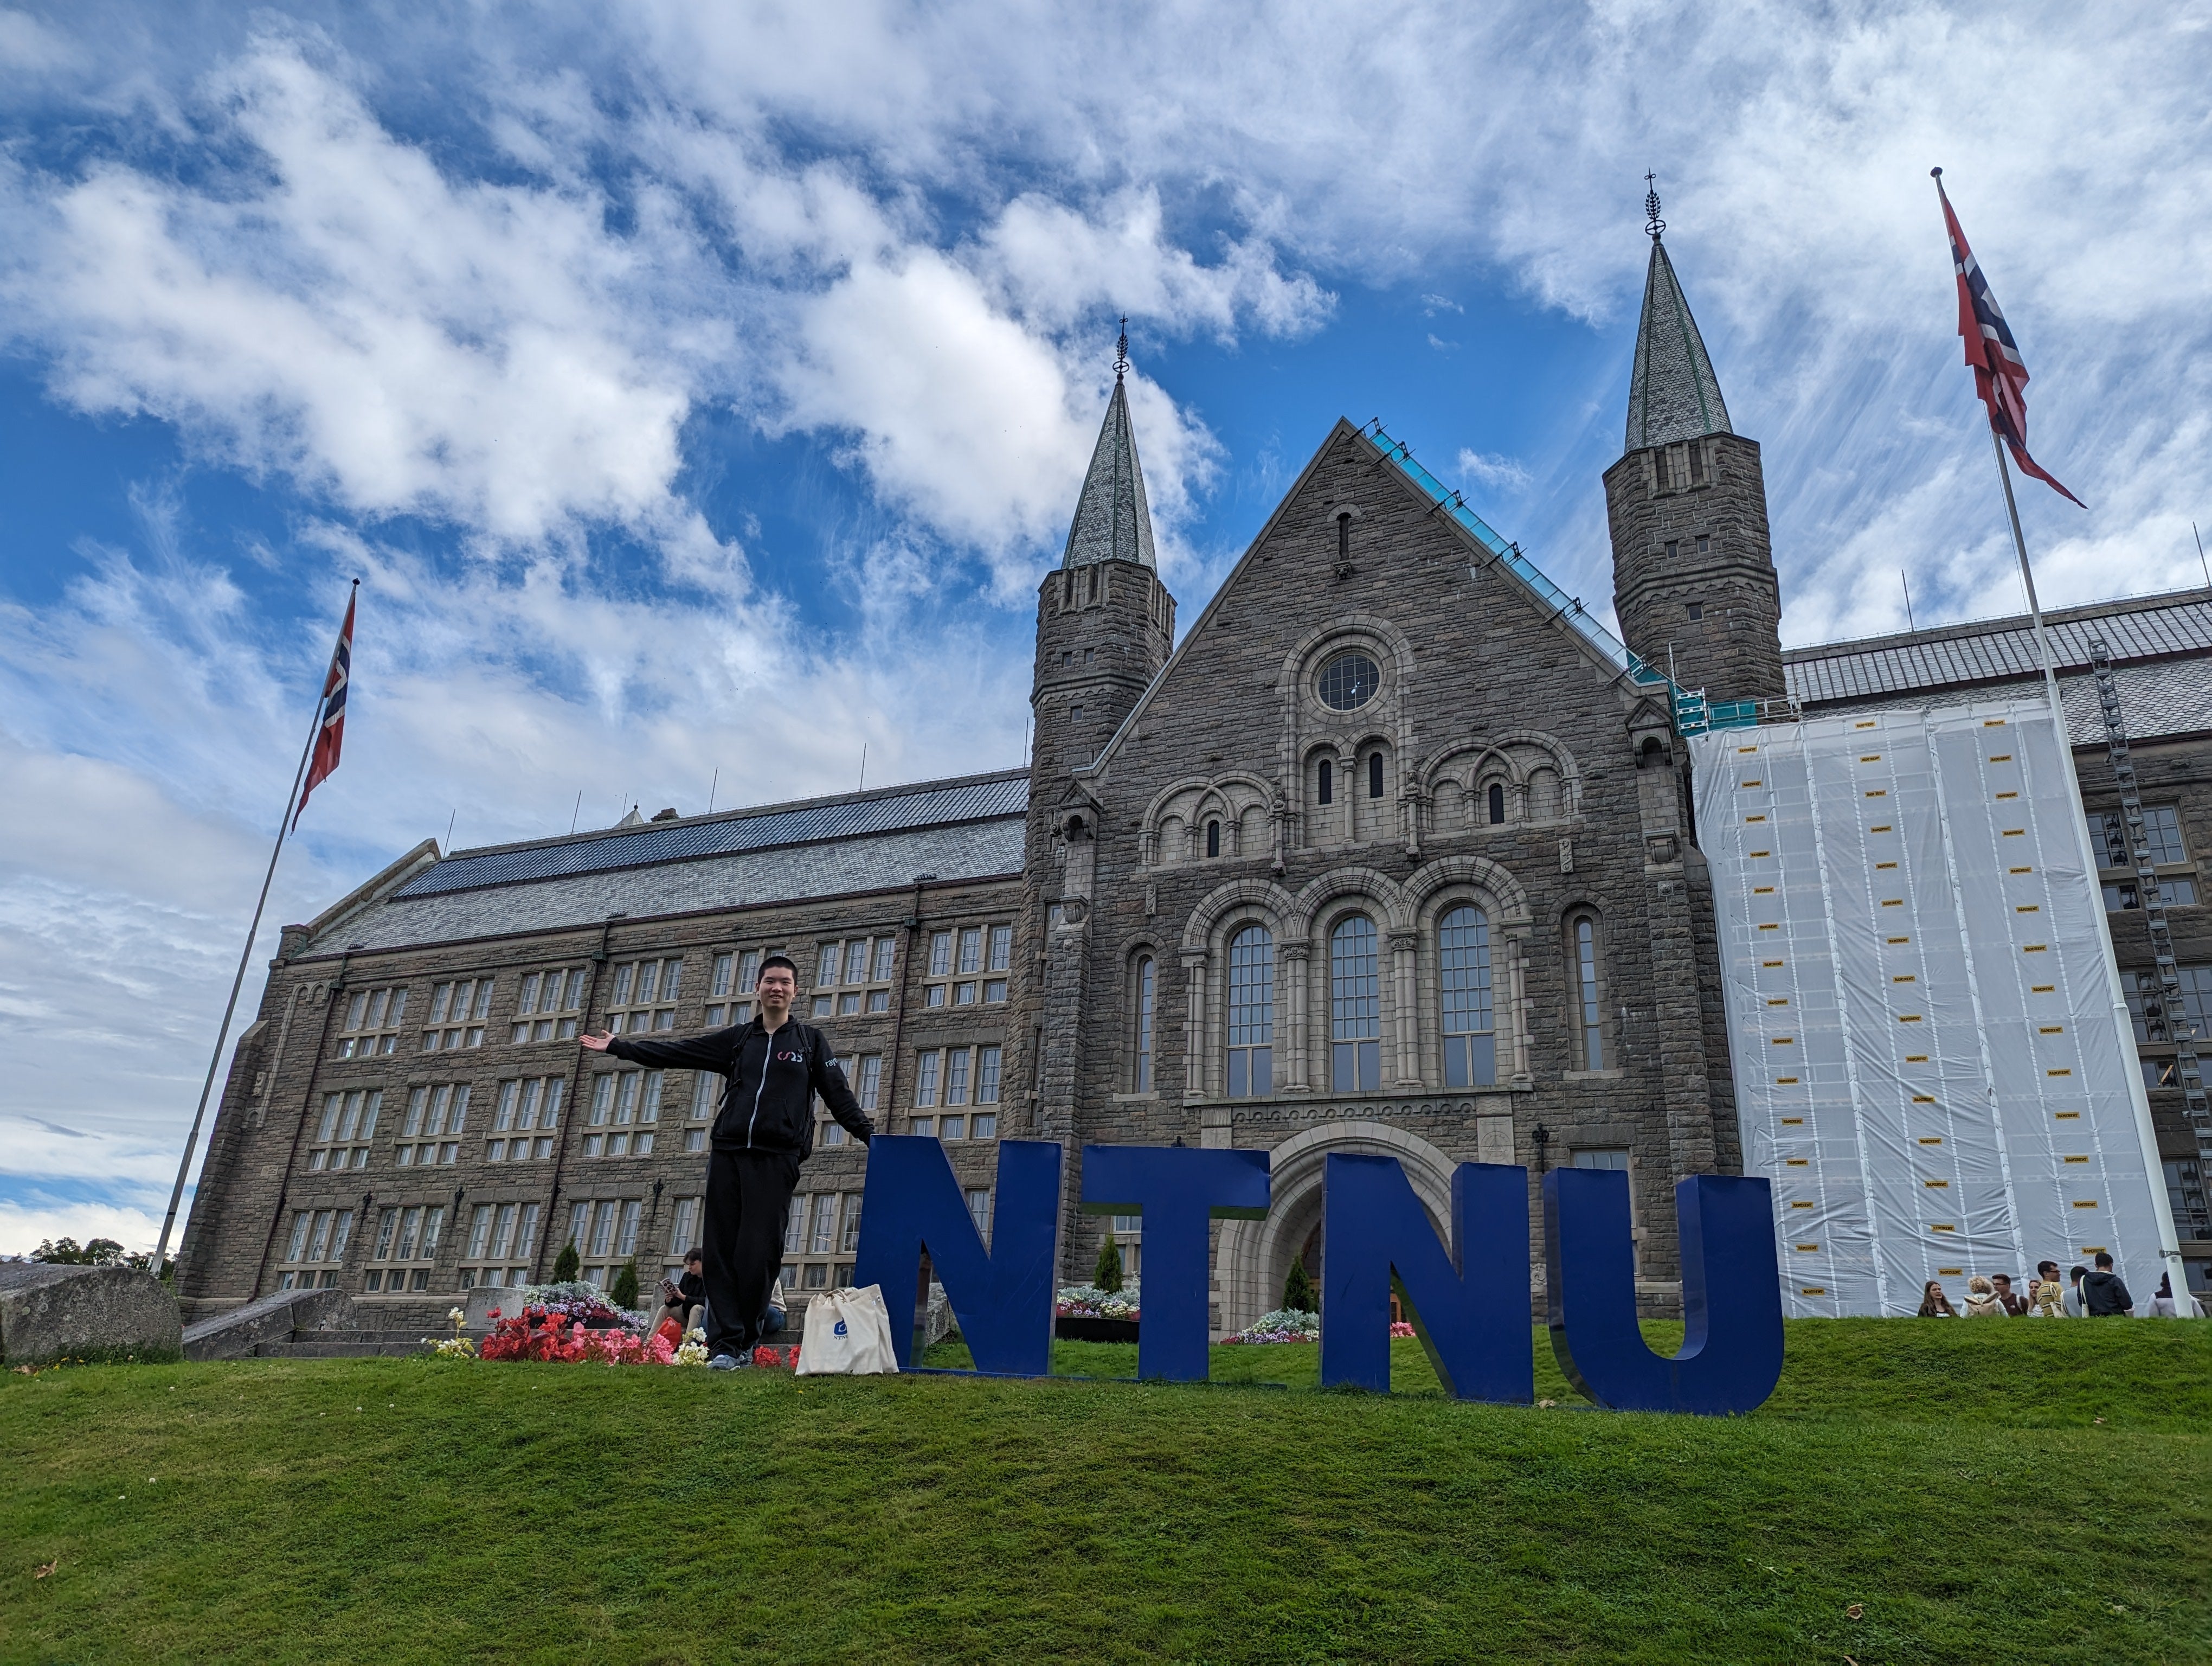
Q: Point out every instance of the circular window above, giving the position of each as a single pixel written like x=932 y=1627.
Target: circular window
x=1348 y=682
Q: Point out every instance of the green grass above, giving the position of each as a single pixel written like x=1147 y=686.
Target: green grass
x=1954 y=1480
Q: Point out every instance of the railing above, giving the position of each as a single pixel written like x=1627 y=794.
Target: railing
x=1693 y=714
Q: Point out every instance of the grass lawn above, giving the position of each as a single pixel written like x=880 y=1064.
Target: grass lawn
x=2000 y=1492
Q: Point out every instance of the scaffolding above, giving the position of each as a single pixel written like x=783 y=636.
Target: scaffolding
x=1932 y=1064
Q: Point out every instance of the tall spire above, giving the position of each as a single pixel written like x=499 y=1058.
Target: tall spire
x=1672 y=393
x=1113 y=522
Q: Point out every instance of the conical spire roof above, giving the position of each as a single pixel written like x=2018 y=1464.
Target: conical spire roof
x=1113 y=522
x=1672 y=393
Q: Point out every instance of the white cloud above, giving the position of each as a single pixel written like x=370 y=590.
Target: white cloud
x=24 y=1227
x=1499 y=473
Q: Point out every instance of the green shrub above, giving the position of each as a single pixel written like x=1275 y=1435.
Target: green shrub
x=1297 y=1289
x=1108 y=1274
x=624 y=1293
x=568 y=1265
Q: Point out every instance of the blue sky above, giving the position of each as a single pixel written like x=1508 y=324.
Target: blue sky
x=705 y=390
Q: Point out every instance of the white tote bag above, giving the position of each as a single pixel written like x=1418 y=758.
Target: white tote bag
x=848 y=1334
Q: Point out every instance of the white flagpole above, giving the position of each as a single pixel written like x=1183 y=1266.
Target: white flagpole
x=238 y=981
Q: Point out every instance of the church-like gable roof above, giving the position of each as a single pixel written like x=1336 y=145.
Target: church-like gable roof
x=1113 y=522
x=1672 y=393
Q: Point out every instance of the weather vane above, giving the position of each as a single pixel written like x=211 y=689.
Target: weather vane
x=1653 y=223
x=1122 y=351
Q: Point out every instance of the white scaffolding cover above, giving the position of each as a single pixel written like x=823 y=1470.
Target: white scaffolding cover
x=1931 y=1063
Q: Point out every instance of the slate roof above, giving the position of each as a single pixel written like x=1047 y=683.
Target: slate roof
x=1113 y=521
x=1672 y=393
x=2160 y=648
x=969 y=829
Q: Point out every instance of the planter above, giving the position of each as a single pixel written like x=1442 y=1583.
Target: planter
x=605 y=1324
x=1095 y=1330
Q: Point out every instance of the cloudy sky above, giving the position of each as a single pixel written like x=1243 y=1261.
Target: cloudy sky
x=680 y=380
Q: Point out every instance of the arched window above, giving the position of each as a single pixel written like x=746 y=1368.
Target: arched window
x=1143 y=991
x=1214 y=838
x=1589 y=1027
x=1328 y=793
x=1252 y=1014
x=1496 y=804
x=1469 y=1023
x=1355 y=1008
x=1374 y=775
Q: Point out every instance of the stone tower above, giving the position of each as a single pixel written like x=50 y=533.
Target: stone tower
x=1105 y=626
x=1694 y=580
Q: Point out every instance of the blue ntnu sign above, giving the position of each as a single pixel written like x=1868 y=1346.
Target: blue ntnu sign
x=1470 y=1298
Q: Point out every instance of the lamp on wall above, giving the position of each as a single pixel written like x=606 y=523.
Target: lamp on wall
x=1542 y=1136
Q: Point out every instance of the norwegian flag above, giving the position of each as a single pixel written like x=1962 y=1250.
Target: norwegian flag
x=1999 y=374
x=330 y=739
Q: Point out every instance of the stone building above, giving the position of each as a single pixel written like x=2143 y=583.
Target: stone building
x=1391 y=853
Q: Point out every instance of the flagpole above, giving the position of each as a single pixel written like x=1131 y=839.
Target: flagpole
x=237 y=983
x=2034 y=607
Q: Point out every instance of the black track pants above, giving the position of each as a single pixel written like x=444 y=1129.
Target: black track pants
x=748 y=1198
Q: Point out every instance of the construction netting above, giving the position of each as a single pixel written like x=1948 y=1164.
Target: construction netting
x=1933 y=1061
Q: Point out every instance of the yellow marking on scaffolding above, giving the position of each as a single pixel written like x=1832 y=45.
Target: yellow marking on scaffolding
x=1937 y=1185
x=1880 y=866
x=1871 y=758
x=1800 y=1205
x=1878 y=793
x=1898 y=940
x=2058 y=1073
x=1777 y=1000
x=1784 y=1040
x=2068 y=1115
x=2000 y=758
x=2092 y=1248
x=2053 y=1030
x=1762 y=891
x=1793 y=1121
x=2034 y=948
x=1893 y=902
x=1747 y=748
x=1869 y=724
x=1750 y=783
x=1942 y=1226
x=2008 y=795
x=1754 y=819
x=2041 y=989
x=1993 y=722
x=2077 y=1160
x=1908 y=1018
x=1904 y=977
x=1770 y=963
x=1916 y=1058
x=2027 y=907
x=2019 y=870
x=1813 y=1290
x=1797 y=1162
x=1785 y=1081
x=2079 y=1204
x=2014 y=832
x=1762 y=853
x=1884 y=827
x=1774 y=926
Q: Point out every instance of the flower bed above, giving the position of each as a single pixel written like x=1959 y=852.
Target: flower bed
x=578 y=1300
x=542 y=1333
x=1286 y=1324
x=1086 y=1301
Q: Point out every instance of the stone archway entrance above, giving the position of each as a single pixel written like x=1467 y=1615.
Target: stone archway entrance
x=1253 y=1257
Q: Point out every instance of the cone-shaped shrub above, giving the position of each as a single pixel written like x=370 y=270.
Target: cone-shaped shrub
x=568 y=1264
x=1107 y=1274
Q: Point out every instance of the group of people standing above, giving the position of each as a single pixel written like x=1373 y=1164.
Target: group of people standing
x=2088 y=1292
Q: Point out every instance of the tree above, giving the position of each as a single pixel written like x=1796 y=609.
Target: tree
x=1297 y=1289
x=624 y=1294
x=1107 y=1275
x=568 y=1264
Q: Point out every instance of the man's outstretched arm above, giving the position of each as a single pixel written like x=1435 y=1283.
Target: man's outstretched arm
x=837 y=1094
x=712 y=1051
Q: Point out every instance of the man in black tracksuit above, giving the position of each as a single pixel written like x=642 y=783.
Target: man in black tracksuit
x=773 y=1067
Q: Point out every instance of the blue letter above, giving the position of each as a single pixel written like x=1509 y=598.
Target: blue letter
x=1002 y=1297
x=1178 y=1190
x=1731 y=1354
x=1470 y=1309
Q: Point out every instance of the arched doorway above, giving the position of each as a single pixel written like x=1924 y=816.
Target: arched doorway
x=1253 y=1257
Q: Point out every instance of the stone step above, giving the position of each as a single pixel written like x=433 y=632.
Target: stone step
x=340 y=1346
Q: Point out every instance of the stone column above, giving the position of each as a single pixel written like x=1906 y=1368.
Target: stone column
x=1349 y=786
x=1404 y=1020
x=1298 y=967
x=1516 y=1005
x=1194 y=1054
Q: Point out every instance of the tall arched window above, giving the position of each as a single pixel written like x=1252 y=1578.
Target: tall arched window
x=1143 y=990
x=1589 y=1027
x=1496 y=804
x=1355 y=1008
x=1214 y=838
x=1469 y=1022
x=1252 y=1014
x=1328 y=791
x=1374 y=775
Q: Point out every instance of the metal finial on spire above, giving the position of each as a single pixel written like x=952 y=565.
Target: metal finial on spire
x=1653 y=223
x=1122 y=351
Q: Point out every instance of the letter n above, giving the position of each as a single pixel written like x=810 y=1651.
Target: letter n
x=1002 y=1296
x=1470 y=1307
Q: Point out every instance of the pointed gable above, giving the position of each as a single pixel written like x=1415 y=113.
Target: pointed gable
x=1672 y=393
x=1113 y=522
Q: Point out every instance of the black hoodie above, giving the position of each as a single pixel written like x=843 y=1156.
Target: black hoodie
x=2103 y=1295
x=767 y=1098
